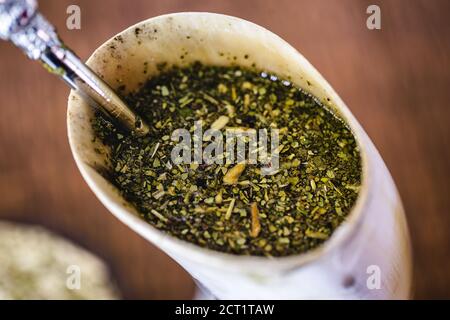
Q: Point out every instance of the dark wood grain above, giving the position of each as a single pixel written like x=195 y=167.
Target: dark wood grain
x=396 y=81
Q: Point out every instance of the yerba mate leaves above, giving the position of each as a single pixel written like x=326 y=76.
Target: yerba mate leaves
x=233 y=207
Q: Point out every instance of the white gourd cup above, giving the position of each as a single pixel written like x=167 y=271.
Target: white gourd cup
x=372 y=242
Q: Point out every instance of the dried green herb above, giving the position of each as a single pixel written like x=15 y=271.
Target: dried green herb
x=232 y=207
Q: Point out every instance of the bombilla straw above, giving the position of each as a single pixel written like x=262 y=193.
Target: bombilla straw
x=25 y=27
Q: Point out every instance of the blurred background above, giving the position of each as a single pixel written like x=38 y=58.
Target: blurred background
x=395 y=80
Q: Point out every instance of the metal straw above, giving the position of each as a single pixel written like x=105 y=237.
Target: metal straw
x=25 y=27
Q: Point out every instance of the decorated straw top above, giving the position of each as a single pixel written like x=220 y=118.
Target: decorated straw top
x=25 y=27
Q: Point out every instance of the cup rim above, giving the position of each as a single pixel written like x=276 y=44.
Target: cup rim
x=195 y=252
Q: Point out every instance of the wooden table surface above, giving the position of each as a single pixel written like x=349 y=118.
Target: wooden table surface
x=395 y=80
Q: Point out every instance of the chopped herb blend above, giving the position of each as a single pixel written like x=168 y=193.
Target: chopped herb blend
x=232 y=207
